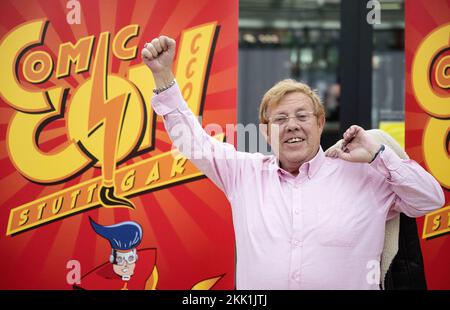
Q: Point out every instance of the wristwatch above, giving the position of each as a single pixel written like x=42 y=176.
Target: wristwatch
x=381 y=149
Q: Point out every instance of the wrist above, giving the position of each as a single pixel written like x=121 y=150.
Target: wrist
x=380 y=149
x=163 y=78
x=373 y=148
x=159 y=90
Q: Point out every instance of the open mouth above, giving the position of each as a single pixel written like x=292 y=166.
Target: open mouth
x=294 y=140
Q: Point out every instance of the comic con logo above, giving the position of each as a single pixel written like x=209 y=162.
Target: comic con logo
x=107 y=116
x=431 y=84
x=430 y=76
x=92 y=109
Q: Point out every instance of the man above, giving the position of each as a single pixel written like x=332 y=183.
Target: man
x=302 y=220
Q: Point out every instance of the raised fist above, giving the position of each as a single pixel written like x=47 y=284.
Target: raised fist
x=159 y=53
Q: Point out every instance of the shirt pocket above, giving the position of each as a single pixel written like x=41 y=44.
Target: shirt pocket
x=337 y=224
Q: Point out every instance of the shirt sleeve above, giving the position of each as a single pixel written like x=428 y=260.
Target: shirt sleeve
x=415 y=191
x=219 y=161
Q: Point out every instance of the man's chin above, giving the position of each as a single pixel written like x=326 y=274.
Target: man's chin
x=295 y=149
x=293 y=155
x=291 y=161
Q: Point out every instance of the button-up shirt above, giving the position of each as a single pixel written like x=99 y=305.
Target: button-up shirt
x=321 y=229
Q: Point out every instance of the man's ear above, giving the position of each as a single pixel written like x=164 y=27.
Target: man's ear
x=321 y=122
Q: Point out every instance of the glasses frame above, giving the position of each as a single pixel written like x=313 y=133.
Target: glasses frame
x=124 y=258
x=296 y=116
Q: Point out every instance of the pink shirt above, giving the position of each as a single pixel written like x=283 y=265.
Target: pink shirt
x=323 y=229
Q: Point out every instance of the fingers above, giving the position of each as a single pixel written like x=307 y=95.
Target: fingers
x=353 y=130
x=170 y=43
x=331 y=153
x=342 y=155
x=146 y=54
x=163 y=42
x=331 y=148
x=149 y=51
x=167 y=43
x=152 y=50
x=336 y=153
x=350 y=133
x=157 y=45
x=339 y=151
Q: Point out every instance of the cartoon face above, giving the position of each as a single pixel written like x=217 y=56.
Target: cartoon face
x=125 y=263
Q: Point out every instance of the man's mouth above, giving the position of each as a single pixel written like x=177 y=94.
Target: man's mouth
x=294 y=140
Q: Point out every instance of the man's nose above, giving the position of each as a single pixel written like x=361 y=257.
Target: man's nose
x=292 y=124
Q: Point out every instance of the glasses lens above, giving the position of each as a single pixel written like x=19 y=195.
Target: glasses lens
x=279 y=119
x=119 y=260
x=302 y=117
x=131 y=259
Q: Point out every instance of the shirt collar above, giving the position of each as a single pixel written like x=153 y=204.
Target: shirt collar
x=311 y=167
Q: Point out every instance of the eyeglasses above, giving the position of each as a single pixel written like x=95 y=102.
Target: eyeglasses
x=129 y=257
x=282 y=119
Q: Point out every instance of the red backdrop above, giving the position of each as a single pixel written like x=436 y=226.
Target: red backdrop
x=185 y=217
x=427 y=123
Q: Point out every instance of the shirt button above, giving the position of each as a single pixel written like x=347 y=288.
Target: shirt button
x=297 y=242
x=296 y=211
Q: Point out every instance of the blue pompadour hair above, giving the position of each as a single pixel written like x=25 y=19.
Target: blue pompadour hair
x=122 y=236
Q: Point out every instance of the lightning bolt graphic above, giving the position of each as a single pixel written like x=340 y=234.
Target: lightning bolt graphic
x=109 y=113
x=105 y=111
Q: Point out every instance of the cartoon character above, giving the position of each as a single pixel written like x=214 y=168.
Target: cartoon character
x=123 y=270
x=128 y=268
x=123 y=238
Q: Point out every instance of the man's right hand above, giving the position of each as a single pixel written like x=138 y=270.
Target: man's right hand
x=158 y=55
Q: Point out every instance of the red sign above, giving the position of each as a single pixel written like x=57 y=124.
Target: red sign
x=427 y=122
x=79 y=140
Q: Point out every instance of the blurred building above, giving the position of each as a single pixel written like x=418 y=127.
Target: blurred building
x=302 y=39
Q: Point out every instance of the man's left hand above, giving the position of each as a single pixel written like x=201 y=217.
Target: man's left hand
x=356 y=146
